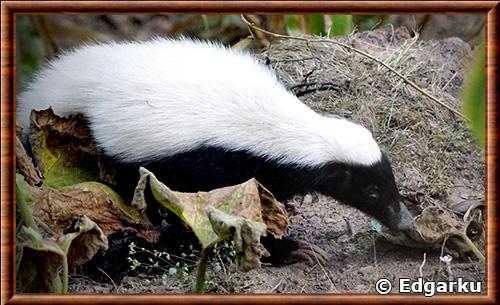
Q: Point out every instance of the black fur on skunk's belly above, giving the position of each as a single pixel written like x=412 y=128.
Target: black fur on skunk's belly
x=209 y=168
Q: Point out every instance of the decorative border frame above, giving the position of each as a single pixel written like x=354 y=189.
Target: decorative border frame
x=7 y=218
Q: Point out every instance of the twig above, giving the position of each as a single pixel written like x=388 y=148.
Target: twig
x=109 y=277
x=407 y=81
x=306 y=88
x=447 y=260
x=332 y=287
x=226 y=280
x=374 y=253
x=257 y=36
x=474 y=266
x=422 y=265
x=449 y=81
x=442 y=248
x=276 y=287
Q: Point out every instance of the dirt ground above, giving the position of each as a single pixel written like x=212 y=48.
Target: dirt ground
x=435 y=159
x=357 y=259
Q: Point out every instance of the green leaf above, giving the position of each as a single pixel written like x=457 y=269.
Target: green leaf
x=474 y=95
x=341 y=25
x=172 y=271
x=292 y=25
x=316 y=25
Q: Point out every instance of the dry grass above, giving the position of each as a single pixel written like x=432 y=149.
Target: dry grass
x=430 y=147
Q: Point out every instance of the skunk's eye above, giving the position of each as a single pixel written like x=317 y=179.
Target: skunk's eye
x=372 y=192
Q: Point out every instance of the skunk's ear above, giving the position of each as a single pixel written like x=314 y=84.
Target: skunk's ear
x=336 y=177
x=344 y=175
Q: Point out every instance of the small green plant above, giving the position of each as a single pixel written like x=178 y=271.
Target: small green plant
x=367 y=236
x=369 y=22
x=169 y=264
x=222 y=257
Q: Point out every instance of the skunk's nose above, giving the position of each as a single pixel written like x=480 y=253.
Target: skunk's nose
x=405 y=218
x=400 y=220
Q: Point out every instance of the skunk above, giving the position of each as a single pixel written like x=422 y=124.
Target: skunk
x=203 y=116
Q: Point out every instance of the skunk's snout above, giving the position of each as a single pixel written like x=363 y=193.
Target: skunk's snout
x=402 y=220
x=406 y=219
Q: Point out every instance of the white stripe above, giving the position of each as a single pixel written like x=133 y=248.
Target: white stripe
x=147 y=100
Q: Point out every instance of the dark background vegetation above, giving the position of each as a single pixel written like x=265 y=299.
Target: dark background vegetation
x=43 y=36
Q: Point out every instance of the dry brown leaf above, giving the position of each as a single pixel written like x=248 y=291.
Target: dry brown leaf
x=249 y=200
x=82 y=241
x=435 y=223
x=63 y=149
x=58 y=209
x=245 y=235
x=25 y=166
x=242 y=211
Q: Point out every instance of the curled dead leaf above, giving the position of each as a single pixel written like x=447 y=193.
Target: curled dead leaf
x=249 y=200
x=82 y=240
x=245 y=234
x=245 y=212
x=59 y=208
x=63 y=149
x=38 y=262
x=434 y=224
x=39 y=259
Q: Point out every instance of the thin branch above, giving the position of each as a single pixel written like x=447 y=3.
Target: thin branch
x=447 y=260
x=422 y=265
x=375 y=254
x=276 y=287
x=407 y=81
x=471 y=246
x=109 y=277
x=306 y=88
x=332 y=286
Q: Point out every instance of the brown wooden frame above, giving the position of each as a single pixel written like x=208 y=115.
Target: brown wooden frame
x=10 y=8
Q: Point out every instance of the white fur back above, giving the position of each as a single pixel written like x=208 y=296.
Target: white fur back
x=147 y=100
